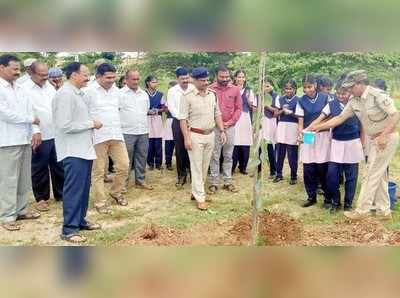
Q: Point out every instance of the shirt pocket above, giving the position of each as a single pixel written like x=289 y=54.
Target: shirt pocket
x=375 y=114
x=229 y=102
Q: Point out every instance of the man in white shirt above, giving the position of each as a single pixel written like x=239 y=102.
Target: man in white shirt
x=28 y=72
x=102 y=98
x=74 y=145
x=44 y=158
x=18 y=132
x=173 y=102
x=134 y=106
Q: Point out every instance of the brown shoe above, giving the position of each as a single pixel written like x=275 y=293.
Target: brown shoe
x=143 y=186
x=230 y=187
x=11 y=226
x=42 y=206
x=202 y=206
x=30 y=215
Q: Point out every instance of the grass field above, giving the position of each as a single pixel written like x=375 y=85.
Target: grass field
x=172 y=219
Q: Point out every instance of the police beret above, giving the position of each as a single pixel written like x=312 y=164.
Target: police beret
x=354 y=77
x=200 y=73
x=55 y=72
x=181 y=71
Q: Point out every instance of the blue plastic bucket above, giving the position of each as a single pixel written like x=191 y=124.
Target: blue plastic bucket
x=308 y=137
x=392 y=189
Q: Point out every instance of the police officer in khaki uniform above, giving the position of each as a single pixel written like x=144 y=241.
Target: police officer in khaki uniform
x=379 y=118
x=199 y=113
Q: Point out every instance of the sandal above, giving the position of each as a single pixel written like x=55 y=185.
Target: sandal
x=11 y=226
x=74 y=238
x=28 y=216
x=213 y=189
x=120 y=200
x=202 y=206
x=230 y=187
x=103 y=210
x=42 y=206
x=91 y=226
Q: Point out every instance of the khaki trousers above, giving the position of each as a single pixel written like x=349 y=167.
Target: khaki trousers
x=200 y=157
x=117 y=151
x=374 y=187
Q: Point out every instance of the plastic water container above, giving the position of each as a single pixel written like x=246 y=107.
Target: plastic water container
x=392 y=188
x=308 y=137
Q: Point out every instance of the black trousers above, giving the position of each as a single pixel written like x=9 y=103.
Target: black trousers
x=44 y=166
x=315 y=173
x=240 y=157
x=154 y=155
x=272 y=159
x=182 y=157
x=335 y=171
x=292 y=152
x=169 y=151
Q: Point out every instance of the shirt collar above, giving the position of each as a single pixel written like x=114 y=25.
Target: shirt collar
x=197 y=91
x=217 y=86
x=98 y=86
x=75 y=89
x=189 y=88
x=32 y=84
x=365 y=93
x=127 y=89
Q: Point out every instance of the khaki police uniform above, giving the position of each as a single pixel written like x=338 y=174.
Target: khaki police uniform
x=200 y=112
x=374 y=109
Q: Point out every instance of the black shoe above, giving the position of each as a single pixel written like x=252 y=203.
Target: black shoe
x=309 y=203
x=243 y=172
x=151 y=168
x=334 y=209
x=327 y=205
x=347 y=208
x=277 y=179
x=192 y=198
x=159 y=168
x=293 y=181
x=169 y=168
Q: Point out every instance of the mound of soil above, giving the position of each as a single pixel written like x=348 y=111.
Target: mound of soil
x=365 y=232
x=274 y=229
x=156 y=236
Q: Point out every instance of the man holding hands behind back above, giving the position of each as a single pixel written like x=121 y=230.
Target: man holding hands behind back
x=199 y=114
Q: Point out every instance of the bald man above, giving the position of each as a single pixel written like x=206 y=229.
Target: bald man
x=44 y=158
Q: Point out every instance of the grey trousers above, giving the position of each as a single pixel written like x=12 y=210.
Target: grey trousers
x=137 y=147
x=227 y=153
x=15 y=181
